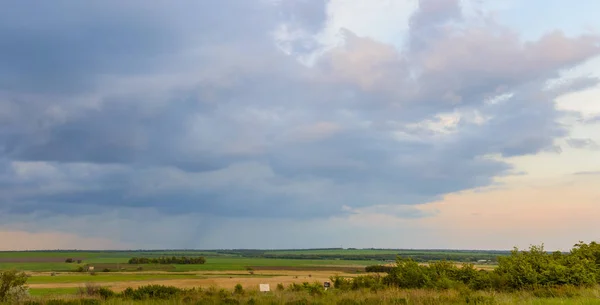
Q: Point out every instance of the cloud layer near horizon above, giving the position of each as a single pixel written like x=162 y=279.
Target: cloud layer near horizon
x=209 y=109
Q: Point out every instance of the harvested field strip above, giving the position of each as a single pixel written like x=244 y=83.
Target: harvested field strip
x=220 y=282
x=116 y=277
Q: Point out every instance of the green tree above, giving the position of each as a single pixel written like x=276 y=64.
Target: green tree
x=408 y=274
x=12 y=285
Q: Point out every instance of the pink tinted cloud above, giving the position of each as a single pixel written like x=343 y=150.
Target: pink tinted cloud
x=21 y=240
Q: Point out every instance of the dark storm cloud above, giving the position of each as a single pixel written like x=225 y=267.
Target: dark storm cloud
x=193 y=108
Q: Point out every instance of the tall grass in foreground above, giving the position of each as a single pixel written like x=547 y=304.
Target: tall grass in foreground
x=309 y=294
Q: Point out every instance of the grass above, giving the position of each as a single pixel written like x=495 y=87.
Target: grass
x=212 y=264
x=386 y=296
x=240 y=263
x=38 y=266
x=52 y=291
x=108 y=277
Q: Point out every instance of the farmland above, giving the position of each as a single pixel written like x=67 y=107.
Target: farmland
x=294 y=275
x=49 y=270
x=314 y=259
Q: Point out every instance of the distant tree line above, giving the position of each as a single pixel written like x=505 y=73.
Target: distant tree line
x=417 y=255
x=379 y=257
x=168 y=260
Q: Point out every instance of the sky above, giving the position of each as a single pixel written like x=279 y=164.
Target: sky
x=429 y=124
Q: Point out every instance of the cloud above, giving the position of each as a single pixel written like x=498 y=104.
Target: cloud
x=21 y=240
x=587 y=173
x=583 y=143
x=592 y=120
x=204 y=109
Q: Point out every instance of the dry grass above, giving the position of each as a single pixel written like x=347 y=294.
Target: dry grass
x=220 y=279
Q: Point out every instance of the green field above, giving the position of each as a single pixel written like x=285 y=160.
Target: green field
x=343 y=252
x=212 y=264
x=41 y=261
x=106 y=277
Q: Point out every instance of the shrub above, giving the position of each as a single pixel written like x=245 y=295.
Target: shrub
x=90 y=289
x=313 y=289
x=106 y=270
x=105 y=293
x=68 y=260
x=12 y=286
x=378 y=268
x=238 y=289
x=151 y=292
x=280 y=287
x=408 y=274
x=295 y=287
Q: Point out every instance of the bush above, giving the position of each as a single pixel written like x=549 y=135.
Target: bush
x=105 y=293
x=12 y=286
x=90 y=289
x=378 y=268
x=313 y=289
x=68 y=260
x=151 y=292
x=238 y=289
x=408 y=274
x=295 y=287
x=280 y=287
